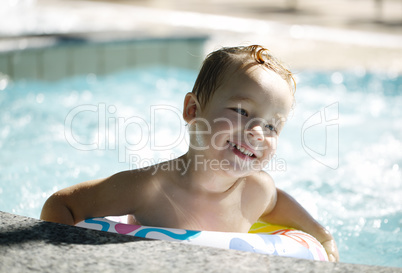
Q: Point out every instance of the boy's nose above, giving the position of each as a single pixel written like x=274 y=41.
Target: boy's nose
x=256 y=133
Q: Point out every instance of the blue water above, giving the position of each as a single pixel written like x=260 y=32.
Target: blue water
x=340 y=154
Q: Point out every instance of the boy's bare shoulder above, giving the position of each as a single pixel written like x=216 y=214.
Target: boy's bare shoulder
x=137 y=177
x=260 y=192
x=129 y=184
x=134 y=186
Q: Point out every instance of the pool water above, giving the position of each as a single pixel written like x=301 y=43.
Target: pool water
x=340 y=155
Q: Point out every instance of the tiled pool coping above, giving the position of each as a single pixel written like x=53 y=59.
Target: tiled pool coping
x=28 y=244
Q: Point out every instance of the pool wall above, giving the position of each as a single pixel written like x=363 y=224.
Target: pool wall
x=58 y=57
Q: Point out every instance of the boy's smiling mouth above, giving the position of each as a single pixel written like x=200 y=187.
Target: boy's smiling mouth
x=242 y=150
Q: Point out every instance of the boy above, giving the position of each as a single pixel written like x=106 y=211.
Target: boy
x=235 y=114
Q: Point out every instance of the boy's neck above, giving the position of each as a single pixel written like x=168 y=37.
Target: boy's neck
x=202 y=179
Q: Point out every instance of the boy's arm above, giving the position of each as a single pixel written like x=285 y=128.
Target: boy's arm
x=288 y=212
x=114 y=195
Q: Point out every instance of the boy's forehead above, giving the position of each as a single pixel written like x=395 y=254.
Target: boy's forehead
x=254 y=84
x=249 y=78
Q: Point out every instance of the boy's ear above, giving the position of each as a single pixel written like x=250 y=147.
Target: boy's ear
x=190 y=108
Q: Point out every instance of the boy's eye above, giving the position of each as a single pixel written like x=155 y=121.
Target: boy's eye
x=241 y=111
x=270 y=127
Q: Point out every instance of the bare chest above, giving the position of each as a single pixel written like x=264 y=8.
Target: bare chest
x=220 y=213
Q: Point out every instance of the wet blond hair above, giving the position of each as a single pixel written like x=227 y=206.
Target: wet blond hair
x=217 y=64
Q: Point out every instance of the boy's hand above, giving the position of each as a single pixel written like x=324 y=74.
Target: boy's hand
x=331 y=249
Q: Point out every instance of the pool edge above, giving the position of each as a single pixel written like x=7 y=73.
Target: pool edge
x=31 y=244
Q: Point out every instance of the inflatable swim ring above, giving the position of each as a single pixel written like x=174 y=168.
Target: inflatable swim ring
x=262 y=238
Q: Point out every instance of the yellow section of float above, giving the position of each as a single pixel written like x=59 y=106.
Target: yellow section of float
x=266 y=228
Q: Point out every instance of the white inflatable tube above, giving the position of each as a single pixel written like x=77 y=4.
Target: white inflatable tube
x=282 y=242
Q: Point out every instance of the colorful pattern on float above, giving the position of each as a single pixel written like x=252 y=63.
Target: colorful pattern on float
x=262 y=238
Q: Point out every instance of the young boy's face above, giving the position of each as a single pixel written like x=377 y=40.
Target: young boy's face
x=243 y=119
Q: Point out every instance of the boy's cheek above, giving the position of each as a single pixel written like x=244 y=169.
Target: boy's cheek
x=269 y=145
x=273 y=143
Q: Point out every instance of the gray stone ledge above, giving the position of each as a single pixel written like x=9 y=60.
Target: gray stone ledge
x=28 y=244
